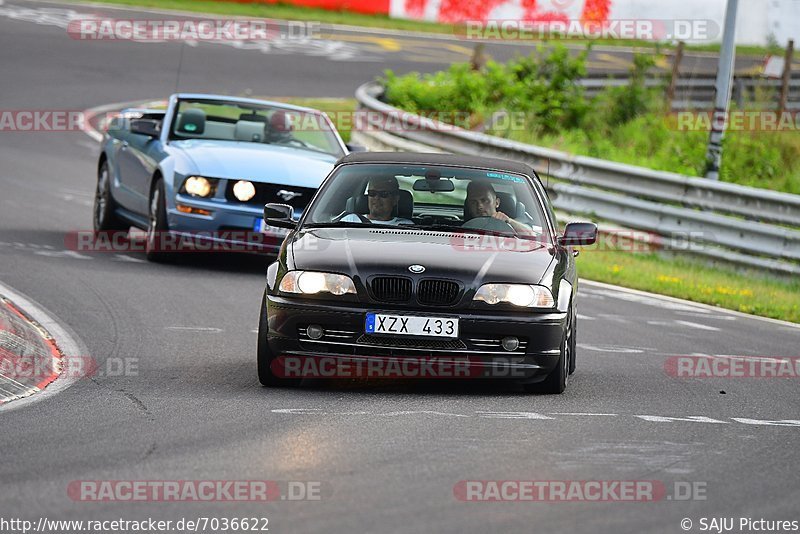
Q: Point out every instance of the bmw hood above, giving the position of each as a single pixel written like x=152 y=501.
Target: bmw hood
x=256 y=162
x=470 y=258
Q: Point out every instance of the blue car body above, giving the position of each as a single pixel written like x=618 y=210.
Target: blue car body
x=285 y=174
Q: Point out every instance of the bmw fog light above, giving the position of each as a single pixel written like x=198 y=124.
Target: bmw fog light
x=244 y=190
x=315 y=331
x=510 y=343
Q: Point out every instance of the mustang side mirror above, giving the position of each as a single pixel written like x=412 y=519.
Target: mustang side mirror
x=356 y=148
x=147 y=127
x=578 y=233
x=279 y=215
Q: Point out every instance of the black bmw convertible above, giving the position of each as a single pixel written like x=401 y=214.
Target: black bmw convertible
x=417 y=258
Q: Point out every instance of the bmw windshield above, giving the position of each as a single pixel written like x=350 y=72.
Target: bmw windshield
x=450 y=199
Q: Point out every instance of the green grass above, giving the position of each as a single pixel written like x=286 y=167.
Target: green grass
x=768 y=160
x=290 y=12
x=694 y=280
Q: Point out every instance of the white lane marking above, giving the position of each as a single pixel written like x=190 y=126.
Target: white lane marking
x=423 y=412
x=690 y=419
x=698 y=326
x=610 y=348
x=583 y=413
x=210 y=329
x=696 y=306
x=779 y=422
x=62 y=254
x=71 y=348
x=129 y=259
x=707 y=316
x=585 y=317
x=535 y=416
x=513 y=415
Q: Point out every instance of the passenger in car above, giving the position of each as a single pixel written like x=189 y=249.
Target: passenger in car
x=482 y=201
x=383 y=193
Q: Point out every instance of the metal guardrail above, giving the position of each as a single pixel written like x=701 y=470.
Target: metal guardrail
x=742 y=225
x=696 y=91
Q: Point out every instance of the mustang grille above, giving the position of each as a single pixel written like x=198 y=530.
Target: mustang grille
x=391 y=288
x=437 y=292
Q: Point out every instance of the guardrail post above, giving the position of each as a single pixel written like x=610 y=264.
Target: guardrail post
x=673 y=82
x=787 y=76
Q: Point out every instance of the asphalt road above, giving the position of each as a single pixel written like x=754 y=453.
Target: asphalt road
x=387 y=456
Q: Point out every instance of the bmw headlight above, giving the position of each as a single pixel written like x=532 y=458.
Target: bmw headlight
x=312 y=282
x=244 y=190
x=198 y=186
x=528 y=296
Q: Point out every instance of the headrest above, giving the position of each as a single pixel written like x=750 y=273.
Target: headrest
x=249 y=131
x=192 y=121
x=253 y=117
x=509 y=205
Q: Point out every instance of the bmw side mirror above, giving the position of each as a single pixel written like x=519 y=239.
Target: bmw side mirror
x=147 y=127
x=356 y=148
x=578 y=233
x=279 y=215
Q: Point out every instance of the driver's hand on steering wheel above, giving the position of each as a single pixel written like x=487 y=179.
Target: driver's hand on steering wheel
x=501 y=216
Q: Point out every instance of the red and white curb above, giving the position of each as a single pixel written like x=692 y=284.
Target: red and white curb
x=30 y=333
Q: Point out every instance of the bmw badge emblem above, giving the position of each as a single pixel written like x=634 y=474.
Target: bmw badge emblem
x=416 y=269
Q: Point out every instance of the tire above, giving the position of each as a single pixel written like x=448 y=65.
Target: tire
x=265 y=355
x=104 y=216
x=556 y=381
x=157 y=225
x=573 y=351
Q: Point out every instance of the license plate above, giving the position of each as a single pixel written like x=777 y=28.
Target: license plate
x=411 y=325
x=261 y=226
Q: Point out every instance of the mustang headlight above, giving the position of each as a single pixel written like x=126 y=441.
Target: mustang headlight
x=312 y=282
x=198 y=186
x=244 y=190
x=517 y=294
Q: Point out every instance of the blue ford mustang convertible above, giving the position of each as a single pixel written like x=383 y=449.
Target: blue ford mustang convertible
x=206 y=165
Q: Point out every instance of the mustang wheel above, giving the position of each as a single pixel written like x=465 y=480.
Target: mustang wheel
x=157 y=226
x=556 y=381
x=265 y=356
x=105 y=218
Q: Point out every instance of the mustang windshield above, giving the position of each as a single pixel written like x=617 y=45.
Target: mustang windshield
x=251 y=123
x=450 y=199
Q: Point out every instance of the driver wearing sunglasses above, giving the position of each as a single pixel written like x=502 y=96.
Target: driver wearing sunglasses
x=383 y=194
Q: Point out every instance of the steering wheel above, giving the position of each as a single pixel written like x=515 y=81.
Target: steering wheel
x=490 y=224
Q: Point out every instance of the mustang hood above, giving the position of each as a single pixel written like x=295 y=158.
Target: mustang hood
x=256 y=162
x=471 y=258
